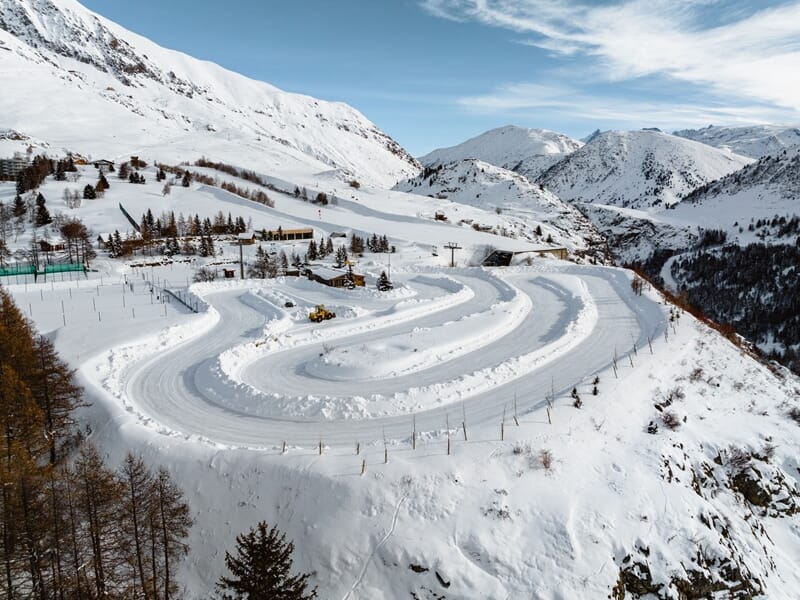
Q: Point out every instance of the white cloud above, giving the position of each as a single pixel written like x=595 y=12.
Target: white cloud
x=751 y=57
x=529 y=99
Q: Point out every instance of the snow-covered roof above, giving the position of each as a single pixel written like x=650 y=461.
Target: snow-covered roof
x=246 y=236
x=328 y=273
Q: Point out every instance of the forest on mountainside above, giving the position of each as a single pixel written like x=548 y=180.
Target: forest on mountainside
x=755 y=288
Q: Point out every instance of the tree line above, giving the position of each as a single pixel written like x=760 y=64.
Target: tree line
x=755 y=288
x=72 y=527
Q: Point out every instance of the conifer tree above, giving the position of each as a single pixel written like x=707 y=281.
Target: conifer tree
x=42 y=215
x=102 y=184
x=261 y=568
x=312 y=251
x=19 y=207
x=170 y=522
x=89 y=193
x=384 y=284
x=341 y=257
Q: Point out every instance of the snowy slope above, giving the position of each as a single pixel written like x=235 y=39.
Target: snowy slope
x=519 y=205
x=637 y=169
x=527 y=151
x=119 y=93
x=754 y=141
x=213 y=396
x=710 y=504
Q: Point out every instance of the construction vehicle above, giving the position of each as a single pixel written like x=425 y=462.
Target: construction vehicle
x=320 y=313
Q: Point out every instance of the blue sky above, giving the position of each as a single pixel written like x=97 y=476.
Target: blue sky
x=432 y=73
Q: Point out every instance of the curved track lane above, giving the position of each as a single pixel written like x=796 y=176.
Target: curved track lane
x=174 y=390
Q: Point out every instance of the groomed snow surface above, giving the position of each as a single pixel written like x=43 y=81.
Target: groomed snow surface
x=214 y=395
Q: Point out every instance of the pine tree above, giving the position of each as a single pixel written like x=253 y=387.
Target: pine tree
x=312 y=251
x=102 y=184
x=98 y=498
x=19 y=207
x=384 y=285
x=42 y=215
x=283 y=262
x=56 y=394
x=349 y=279
x=116 y=244
x=137 y=486
x=89 y=193
x=187 y=180
x=341 y=257
x=170 y=523
x=261 y=568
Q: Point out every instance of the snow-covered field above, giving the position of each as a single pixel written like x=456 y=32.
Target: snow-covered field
x=476 y=516
x=538 y=431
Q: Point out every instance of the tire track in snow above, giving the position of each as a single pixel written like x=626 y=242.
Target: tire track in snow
x=377 y=547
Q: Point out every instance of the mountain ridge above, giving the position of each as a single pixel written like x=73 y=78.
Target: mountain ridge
x=637 y=169
x=526 y=151
x=60 y=49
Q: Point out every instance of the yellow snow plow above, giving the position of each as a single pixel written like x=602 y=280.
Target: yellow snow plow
x=320 y=313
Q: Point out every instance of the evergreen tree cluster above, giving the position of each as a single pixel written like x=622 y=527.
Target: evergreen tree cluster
x=778 y=227
x=73 y=528
x=374 y=243
x=755 y=288
x=268 y=267
x=32 y=176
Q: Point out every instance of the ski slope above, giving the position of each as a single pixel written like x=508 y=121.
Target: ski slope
x=566 y=323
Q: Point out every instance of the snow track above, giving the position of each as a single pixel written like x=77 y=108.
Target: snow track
x=553 y=327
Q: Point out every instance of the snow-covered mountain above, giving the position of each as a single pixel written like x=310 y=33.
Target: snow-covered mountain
x=754 y=141
x=522 y=209
x=638 y=169
x=526 y=151
x=776 y=175
x=116 y=89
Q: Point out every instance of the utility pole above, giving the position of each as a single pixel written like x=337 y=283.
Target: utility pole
x=452 y=246
x=241 y=261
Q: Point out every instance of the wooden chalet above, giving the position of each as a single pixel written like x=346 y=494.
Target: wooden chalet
x=104 y=165
x=246 y=239
x=288 y=235
x=52 y=245
x=334 y=277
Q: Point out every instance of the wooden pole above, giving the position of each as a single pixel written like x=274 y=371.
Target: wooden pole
x=414 y=435
x=358 y=447
x=650 y=343
x=363 y=466
x=320 y=447
x=447 y=424
x=549 y=421
x=516 y=420
x=283 y=450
